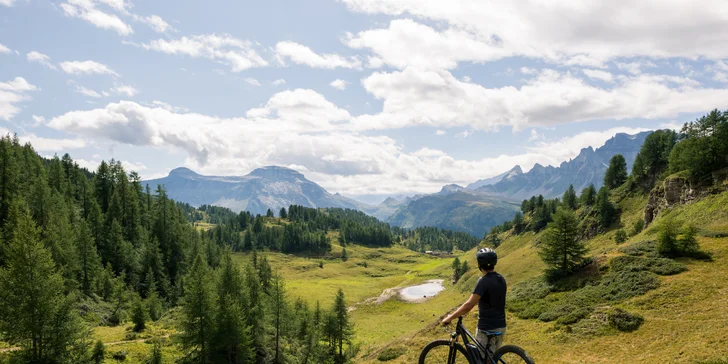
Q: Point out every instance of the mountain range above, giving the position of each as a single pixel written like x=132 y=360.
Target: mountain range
x=473 y=209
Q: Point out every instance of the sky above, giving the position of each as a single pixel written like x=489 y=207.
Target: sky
x=368 y=98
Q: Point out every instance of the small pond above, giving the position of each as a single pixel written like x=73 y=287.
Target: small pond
x=422 y=292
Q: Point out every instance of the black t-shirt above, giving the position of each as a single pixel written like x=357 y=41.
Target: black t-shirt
x=492 y=305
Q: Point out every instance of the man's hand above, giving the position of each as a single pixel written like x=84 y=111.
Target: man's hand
x=446 y=321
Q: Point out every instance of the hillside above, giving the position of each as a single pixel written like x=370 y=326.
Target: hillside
x=461 y=210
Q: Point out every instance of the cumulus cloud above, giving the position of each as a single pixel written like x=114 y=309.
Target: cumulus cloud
x=87 y=10
x=301 y=54
x=156 y=23
x=11 y=94
x=279 y=82
x=436 y=98
x=4 y=49
x=338 y=84
x=86 y=67
x=42 y=144
x=481 y=31
x=238 y=54
x=300 y=108
x=7 y=2
x=40 y=58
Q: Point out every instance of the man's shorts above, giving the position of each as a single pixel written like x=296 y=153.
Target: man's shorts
x=495 y=342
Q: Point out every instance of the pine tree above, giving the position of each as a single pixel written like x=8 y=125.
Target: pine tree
x=561 y=249
x=616 y=173
x=139 y=314
x=283 y=214
x=569 y=198
x=344 y=256
x=88 y=259
x=269 y=213
x=153 y=302
x=234 y=342
x=588 y=195
x=99 y=352
x=8 y=178
x=199 y=312
x=456 y=269
x=343 y=328
x=34 y=311
x=279 y=314
x=605 y=209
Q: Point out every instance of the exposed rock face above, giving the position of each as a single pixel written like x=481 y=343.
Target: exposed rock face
x=673 y=191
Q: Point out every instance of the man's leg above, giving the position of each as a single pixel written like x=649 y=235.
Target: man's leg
x=494 y=343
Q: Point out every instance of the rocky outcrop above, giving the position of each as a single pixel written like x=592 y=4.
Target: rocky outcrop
x=675 y=190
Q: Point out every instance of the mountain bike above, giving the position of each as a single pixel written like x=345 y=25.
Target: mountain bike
x=472 y=351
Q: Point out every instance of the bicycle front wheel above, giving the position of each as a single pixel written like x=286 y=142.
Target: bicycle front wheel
x=440 y=352
x=511 y=354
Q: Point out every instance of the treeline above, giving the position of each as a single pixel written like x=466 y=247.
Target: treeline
x=73 y=240
x=426 y=238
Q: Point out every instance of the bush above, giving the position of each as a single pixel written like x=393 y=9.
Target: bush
x=391 y=354
x=139 y=315
x=155 y=357
x=640 y=248
x=620 y=237
x=661 y=266
x=637 y=227
x=624 y=321
x=119 y=355
x=99 y=352
x=674 y=241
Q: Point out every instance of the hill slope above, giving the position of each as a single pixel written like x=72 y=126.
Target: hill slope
x=461 y=210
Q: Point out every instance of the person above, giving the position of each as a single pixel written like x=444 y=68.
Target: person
x=490 y=296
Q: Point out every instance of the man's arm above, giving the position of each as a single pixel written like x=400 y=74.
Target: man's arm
x=464 y=308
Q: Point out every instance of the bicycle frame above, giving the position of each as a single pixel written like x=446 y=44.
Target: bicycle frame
x=470 y=343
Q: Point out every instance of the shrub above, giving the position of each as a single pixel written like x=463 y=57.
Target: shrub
x=661 y=266
x=620 y=237
x=119 y=355
x=139 y=315
x=674 y=241
x=640 y=248
x=99 y=352
x=155 y=357
x=391 y=354
x=624 y=321
x=637 y=227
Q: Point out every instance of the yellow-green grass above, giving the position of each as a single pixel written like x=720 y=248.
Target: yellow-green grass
x=686 y=318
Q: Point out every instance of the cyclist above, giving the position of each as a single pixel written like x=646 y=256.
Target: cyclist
x=490 y=296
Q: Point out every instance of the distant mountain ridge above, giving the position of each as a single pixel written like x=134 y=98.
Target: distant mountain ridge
x=587 y=168
x=265 y=188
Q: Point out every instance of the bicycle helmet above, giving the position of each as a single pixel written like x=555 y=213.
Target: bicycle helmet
x=487 y=258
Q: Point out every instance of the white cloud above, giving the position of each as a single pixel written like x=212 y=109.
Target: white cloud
x=126 y=90
x=12 y=93
x=426 y=152
x=338 y=84
x=40 y=58
x=169 y=107
x=224 y=48
x=528 y=71
x=301 y=54
x=534 y=136
x=93 y=165
x=4 y=49
x=86 y=10
x=301 y=108
x=408 y=43
x=635 y=68
x=599 y=75
x=7 y=2
x=279 y=82
x=440 y=132
x=672 y=125
x=252 y=81
x=87 y=92
x=38 y=120
x=557 y=31
x=156 y=23
x=436 y=98
x=42 y=144
x=86 y=67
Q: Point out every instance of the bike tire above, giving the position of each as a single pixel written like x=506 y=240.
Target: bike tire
x=512 y=349
x=459 y=348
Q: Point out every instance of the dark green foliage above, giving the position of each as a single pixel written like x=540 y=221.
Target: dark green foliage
x=199 y=312
x=640 y=248
x=674 y=240
x=620 y=236
x=561 y=249
x=625 y=321
x=653 y=158
x=637 y=227
x=605 y=209
x=155 y=356
x=456 y=269
x=464 y=268
x=616 y=173
x=97 y=356
x=588 y=195
x=391 y=353
x=431 y=238
x=343 y=328
x=569 y=199
x=269 y=213
x=660 y=266
x=283 y=214
x=139 y=314
x=703 y=147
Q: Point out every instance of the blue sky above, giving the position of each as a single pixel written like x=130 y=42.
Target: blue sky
x=368 y=98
